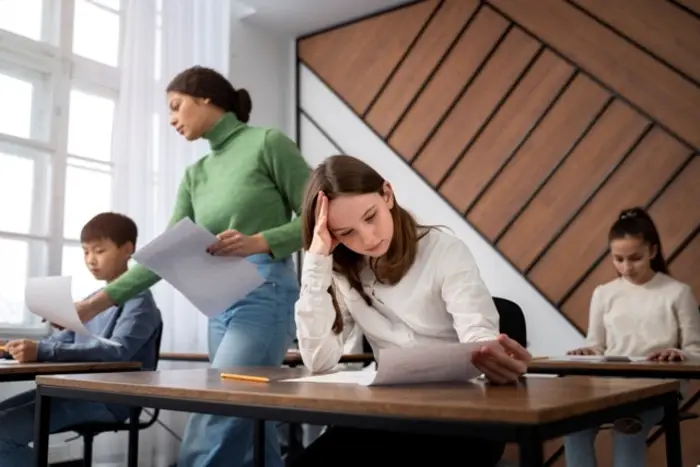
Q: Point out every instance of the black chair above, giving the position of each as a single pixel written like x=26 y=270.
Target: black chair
x=512 y=320
x=88 y=431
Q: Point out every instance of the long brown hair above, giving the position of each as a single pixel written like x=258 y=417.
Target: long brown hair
x=346 y=175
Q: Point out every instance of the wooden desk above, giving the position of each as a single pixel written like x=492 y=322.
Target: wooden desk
x=535 y=410
x=10 y=370
x=645 y=369
x=184 y=357
x=293 y=358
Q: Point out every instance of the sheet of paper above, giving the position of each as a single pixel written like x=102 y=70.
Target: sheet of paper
x=51 y=299
x=361 y=377
x=426 y=364
x=416 y=365
x=211 y=283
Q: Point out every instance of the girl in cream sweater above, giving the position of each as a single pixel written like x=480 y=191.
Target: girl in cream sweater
x=644 y=312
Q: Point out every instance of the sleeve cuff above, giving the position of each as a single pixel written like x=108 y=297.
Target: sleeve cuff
x=316 y=272
x=46 y=351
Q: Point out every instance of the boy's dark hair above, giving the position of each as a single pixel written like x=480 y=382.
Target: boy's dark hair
x=111 y=226
x=199 y=81
x=635 y=222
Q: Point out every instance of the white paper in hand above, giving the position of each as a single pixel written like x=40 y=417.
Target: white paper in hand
x=211 y=283
x=441 y=363
x=51 y=299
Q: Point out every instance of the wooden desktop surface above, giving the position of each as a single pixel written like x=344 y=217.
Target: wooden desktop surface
x=535 y=400
x=647 y=369
x=10 y=367
x=292 y=358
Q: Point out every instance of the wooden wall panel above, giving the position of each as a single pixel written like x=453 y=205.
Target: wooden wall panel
x=648 y=169
x=577 y=306
x=692 y=6
x=676 y=213
x=509 y=61
x=526 y=118
x=539 y=122
x=444 y=29
x=653 y=87
x=356 y=59
x=539 y=89
x=659 y=26
x=580 y=170
x=568 y=119
x=685 y=268
x=464 y=60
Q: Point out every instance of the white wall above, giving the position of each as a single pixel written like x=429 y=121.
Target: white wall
x=548 y=332
x=260 y=63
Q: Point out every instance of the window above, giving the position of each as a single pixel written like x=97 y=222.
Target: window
x=16 y=184
x=20 y=259
x=58 y=92
x=96 y=30
x=16 y=95
x=25 y=176
x=88 y=192
x=15 y=258
x=26 y=95
x=23 y=17
x=90 y=125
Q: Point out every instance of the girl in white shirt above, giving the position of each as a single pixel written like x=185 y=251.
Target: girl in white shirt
x=368 y=264
x=644 y=312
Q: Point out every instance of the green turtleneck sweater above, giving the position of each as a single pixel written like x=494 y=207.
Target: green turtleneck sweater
x=251 y=181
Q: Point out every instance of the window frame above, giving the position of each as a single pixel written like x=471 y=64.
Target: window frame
x=52 y=57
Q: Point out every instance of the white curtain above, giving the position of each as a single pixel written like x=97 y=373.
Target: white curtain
x=162 y=38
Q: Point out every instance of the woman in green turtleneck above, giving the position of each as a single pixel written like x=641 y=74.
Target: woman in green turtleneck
x=244 y=191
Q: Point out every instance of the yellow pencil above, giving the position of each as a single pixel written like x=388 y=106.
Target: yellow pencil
x=539 y=358
x=252 y=379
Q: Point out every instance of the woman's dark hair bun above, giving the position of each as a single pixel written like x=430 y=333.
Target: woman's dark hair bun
x=634 y=212
x=244 y=105
x=207 y=83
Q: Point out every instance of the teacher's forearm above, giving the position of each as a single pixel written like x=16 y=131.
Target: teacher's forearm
x=93 y=305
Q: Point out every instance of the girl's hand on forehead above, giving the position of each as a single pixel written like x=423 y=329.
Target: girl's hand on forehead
x=323 y=242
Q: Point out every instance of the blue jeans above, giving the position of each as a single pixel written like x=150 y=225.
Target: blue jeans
x=255 y=331
x=629 y=450
x=17 y=424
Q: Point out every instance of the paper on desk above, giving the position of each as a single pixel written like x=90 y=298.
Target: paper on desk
x=594 y=358
x=415 y=365
x=362 y=377
x=51 y=299
x=210 y=283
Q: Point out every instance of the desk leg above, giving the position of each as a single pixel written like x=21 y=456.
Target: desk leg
x=673 y=433
x=531 y=451
x=259 y=443
x=42 y=416
x=134 y=413
x=295 y=443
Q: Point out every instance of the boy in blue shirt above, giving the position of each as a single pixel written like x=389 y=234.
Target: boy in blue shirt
x=108 y=242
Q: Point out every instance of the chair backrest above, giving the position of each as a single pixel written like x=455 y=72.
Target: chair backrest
x=159 y=337
x=512 y=320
